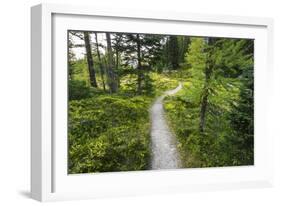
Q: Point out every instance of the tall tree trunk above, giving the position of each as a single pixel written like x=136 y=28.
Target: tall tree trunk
x=139 y=72
x=90 y=61
x=203 y=109
x=111 y=74
x=100 y=63
x=167 y=55
x=117 y=65
x=205 y=92
x=185 y=42
x=174 y=52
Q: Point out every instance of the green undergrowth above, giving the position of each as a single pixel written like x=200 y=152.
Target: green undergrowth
x=108 y=133
x=215 y=146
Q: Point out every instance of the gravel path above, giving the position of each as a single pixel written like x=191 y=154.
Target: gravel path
x=164 y=150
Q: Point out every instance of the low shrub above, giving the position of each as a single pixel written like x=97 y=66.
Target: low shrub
x=108 y=133
x=220 y=144
x=78 y=90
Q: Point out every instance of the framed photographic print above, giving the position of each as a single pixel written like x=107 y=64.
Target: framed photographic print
x=137 y=102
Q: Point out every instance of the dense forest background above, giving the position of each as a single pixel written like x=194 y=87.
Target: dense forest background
x=115 y=77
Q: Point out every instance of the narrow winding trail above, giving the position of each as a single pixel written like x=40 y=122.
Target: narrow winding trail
x=164 y=149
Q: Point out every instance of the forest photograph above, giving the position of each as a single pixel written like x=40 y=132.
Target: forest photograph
x=156 y=101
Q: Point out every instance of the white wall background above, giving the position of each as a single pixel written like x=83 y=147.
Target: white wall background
x=15 y=101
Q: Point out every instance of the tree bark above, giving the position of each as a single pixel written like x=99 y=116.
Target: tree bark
x=117 y=65
x=90 y=61
x=111 y=74
x=139 y=72
x=205 y=93
x=174 y=52
x=100 y=63
x=203 y=110
x=184 y=47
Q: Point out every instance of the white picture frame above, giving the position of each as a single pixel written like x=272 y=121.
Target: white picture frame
x=49 y=179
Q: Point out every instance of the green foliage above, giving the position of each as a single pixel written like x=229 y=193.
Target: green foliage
x=108 y=133
x=184 y=43
x=163 y=82
x=128 y=84
x=228 y=138
x=80 y=72
x=173 y=48
x=196 y=56
x=241 y=118
x=213 y=147
x=154 y=84
x=78 y=90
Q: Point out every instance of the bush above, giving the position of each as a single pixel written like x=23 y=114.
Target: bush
x=220 y=144
x=108 y=133
x=162 y=82
x=78 y=90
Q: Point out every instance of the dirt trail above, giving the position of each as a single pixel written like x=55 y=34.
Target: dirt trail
x=164 y=150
